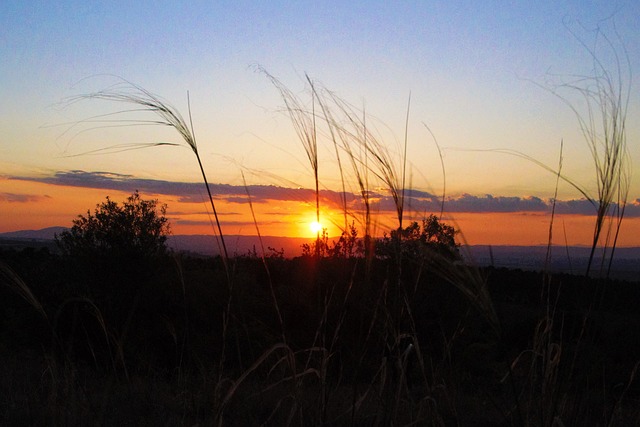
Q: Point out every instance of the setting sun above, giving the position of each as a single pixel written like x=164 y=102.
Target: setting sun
x=316 y=227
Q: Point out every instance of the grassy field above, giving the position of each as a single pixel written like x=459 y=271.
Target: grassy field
x=377 y=332
x=310 y=341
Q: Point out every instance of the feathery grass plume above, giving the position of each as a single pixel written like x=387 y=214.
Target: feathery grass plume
x=329 y=119
x=349 y=133
x=396 y=186
x=384 y=169
x=606 y=95
x=14 y=282
x=379 y=161
x=352 y=132
x=145 y=101
x=368 y=155
x=382 y=166
x=304 y=123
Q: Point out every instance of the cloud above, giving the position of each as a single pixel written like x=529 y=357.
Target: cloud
x=190 y=222
x=211 y=223
x=185 y=192
x=116 y=181
x=21 y=198
x=381 y=200
x=633 y=209
x=226 y=223
x=467 y=203
x=490 y=203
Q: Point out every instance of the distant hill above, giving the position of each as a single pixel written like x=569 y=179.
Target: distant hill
x=200 y=244
x=42 y=234
x=571 y=259
x=237 y=245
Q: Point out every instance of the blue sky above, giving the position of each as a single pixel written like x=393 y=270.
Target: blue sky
x=473 y=70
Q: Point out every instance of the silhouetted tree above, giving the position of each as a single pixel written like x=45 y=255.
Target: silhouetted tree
x=319 y=248
x=348 y=245
x=417 y=240
x=116 y=268
x=134 y=231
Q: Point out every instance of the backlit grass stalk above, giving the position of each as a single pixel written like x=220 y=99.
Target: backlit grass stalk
x=384 y=170
x=619 y=211
x=145 y=101
x=603 y=125
x=383 y=167
x=553 y=212
x=304 y=123
x=404 y=164
x=349 y=130
x=353 y=132
x=264 y=263
x=444 y=172
x=334 y=132
x=14 y=282
x=369 y=156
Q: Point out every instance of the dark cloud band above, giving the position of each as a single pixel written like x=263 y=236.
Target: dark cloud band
x=415 y=200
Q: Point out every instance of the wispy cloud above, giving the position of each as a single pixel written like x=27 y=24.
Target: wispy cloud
x=416 y=200
x=21 y=198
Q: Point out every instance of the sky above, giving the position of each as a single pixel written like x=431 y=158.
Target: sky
x=478 y=89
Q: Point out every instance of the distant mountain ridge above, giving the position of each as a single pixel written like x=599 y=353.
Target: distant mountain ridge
x=42 y=234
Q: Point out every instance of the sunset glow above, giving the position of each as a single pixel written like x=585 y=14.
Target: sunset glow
x=480 y=85
x=316 y=227
x=361 y=212
x=34 y=205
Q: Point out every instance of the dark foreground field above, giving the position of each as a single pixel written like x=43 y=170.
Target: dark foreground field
x=312 y=342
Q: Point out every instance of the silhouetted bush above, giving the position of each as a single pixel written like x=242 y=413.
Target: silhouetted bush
x=417 y=240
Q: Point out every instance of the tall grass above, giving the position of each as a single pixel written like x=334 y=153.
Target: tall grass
x=602 y=119
x=349 y=133
x=360 y=357
x=601 y=116
x=371 y=161
x=14 y=282
x=304 y=124
x=146 y=102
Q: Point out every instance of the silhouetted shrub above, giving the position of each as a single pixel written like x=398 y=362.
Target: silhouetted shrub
x=136 y=230
x=417 y=240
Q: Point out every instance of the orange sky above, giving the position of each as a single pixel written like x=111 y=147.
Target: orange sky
x=34 y=205
x=447 y=97
x=532 y=228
